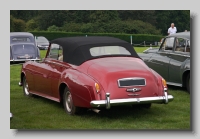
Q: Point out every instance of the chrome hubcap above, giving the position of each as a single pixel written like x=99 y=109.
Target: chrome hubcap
x=68 y=102
x=26 y=88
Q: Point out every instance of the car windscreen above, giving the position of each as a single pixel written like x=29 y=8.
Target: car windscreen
x=23 y=49
x=108 y=50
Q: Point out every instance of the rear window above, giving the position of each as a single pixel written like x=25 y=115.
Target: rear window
x=21 y=39
x=41 y=39
x=109 y=50
x=23 y=49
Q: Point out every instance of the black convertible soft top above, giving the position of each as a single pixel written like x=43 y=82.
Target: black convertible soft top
x=76 y=49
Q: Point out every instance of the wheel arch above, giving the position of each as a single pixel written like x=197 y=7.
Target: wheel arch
x=22 y=76
x=184 y=77
x=61 y=90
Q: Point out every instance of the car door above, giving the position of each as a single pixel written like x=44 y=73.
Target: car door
x=178 y=57
x=57 y=67
x=160 y=60
x=41 y=78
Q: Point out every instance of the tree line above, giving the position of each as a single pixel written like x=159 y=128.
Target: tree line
x=154 y=22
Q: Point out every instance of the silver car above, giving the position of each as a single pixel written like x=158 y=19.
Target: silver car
x=23 y=47
x=42 y=42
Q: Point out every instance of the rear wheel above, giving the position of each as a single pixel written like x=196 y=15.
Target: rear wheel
x=68 y=104
x=188 y=83
x=26 y=87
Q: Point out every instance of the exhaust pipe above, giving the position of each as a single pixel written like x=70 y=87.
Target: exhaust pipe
x=96 y=110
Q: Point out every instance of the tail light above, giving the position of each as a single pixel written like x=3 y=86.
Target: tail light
x=164 y=83
x=97 y=87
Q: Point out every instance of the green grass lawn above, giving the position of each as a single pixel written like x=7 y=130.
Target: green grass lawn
x=40 y=113
x=140 y=49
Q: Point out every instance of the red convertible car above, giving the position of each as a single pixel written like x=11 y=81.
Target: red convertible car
x=93 y=73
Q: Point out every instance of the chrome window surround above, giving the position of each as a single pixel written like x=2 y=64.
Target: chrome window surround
x=132 y=78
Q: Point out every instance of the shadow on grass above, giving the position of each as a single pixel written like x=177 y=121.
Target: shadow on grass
x=174 y=88
x=125 y=111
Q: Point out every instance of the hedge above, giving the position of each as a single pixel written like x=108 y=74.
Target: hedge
x=136 y=38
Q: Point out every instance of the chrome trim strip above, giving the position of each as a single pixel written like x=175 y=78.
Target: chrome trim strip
x=175 y=84
x=131 y=78
x=25 y=60
x=115 y=102
x=59 y=64
x=147 y=49
x=185 y=55
x=133 y=89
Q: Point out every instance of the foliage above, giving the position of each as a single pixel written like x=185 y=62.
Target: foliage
x=24 y=14
x=143 y=15
x=129 y=26
x=12 y=29
x=31 y=25
x=107 y=21
x=19 y=25
x=72 y=27
x=48 y=18
x=53 y=28
x=103 y=16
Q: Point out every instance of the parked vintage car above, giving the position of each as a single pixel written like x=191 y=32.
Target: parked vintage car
x=95 y=72
x=172 y=59
x=42 y=42
x=23 y=47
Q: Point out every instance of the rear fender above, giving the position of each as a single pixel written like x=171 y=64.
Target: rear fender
x=81 y=87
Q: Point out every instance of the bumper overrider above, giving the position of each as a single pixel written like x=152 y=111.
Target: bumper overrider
x=114 y=102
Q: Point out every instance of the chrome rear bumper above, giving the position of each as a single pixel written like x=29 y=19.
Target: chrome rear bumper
x=114 y=102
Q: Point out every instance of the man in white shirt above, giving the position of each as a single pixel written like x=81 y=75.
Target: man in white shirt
x=172 y=29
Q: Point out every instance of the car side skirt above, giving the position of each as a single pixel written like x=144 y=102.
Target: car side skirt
x=174 y=84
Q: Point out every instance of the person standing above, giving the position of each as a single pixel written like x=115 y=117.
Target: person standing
x=172 y=29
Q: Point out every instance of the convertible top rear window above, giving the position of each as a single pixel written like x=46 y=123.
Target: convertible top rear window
x=109 y=50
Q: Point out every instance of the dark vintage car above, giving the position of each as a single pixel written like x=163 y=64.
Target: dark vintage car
x=95 y=73
x=172 y=59
x=23 y=47
x=42 y=42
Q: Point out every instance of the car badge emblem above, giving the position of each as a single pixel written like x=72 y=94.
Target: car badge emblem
x=133 y=89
